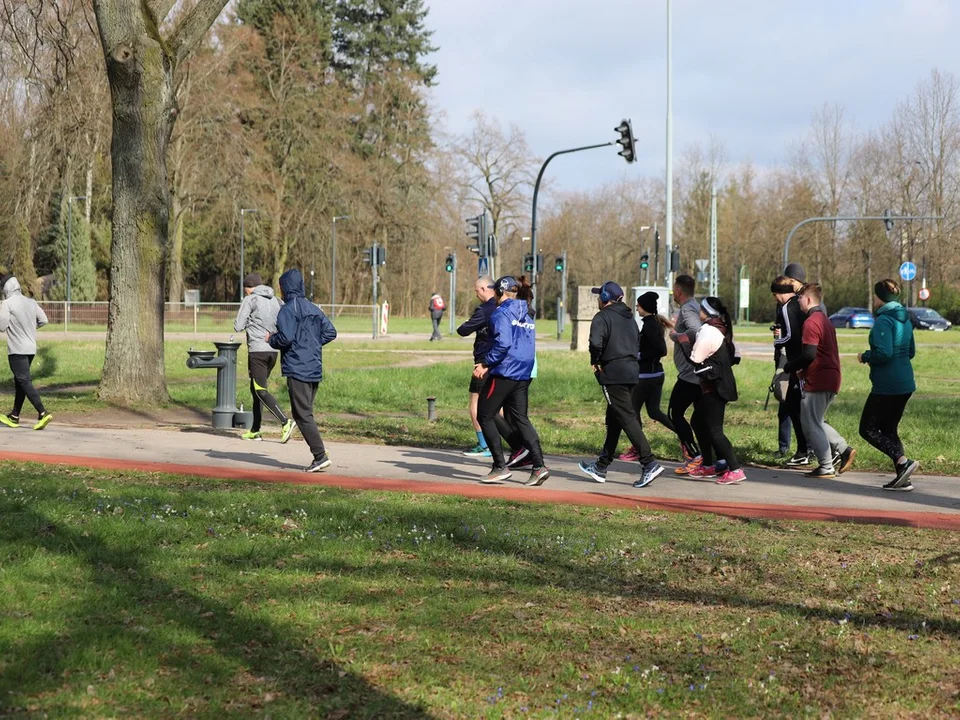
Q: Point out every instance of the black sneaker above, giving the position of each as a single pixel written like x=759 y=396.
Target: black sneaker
x=319 y=464
x=895 y=487
x=517 y=458
x=846 y=460
x=821 y=472
x=799 y=461
x=905 y=471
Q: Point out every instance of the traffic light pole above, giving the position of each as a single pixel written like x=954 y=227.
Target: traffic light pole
x=376 y=280
x=563 y=296
x=453 y=293
x=536 y=191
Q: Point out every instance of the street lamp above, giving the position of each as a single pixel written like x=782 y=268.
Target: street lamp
x=333 y=266
x=70 y=242
x=243 y=211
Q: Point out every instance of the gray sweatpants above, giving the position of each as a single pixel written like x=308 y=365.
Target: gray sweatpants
x=822 y=439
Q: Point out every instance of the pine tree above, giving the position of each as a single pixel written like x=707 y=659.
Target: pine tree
x=22 y=264
x=83 y=275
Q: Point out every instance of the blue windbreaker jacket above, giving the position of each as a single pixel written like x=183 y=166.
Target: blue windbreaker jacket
x=513 y=341
x=302 y=331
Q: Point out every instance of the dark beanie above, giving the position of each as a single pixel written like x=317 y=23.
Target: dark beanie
x=648 y=301
x=795 y=271
x=252 y=280
x=884 y=293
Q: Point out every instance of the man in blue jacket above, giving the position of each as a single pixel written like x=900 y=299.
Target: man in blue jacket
x=302 y=331
x=506 y=369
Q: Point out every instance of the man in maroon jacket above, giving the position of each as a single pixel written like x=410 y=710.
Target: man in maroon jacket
x=818 y=368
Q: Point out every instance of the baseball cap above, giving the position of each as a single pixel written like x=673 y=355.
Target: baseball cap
x=610 y=289
x=507 y=283
x=252 y=280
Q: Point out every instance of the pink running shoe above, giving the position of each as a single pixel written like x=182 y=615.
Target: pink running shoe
x=731 y=477
x=631 y=455
x=703 y=471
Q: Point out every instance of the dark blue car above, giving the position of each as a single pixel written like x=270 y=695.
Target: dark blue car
x=927 y=319
x=852 y=317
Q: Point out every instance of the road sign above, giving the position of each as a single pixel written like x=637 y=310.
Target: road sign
x=924 y=294
x=702 y=264
x=744 y=293
x=483 y=266
x=908 y=271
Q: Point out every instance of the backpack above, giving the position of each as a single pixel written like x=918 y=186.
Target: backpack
x=436 y=303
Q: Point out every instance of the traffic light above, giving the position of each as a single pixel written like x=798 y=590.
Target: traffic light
x=477 y=233
x=539 y=263
x=558 y=265
x=626 y=141
x=449 y=263
x=888 y=219
x=674 y=260
x=644 y=261
x=377 y=253
x=528 y=263
x=367 y=254
x=381 y=255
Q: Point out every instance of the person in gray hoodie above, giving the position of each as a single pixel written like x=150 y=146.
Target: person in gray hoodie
x=258 y=317
x=20 y=316
x=686 y=391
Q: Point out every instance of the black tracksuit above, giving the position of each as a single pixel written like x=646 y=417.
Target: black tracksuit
x=790 y=318
x=649 y=387
x=615 y=347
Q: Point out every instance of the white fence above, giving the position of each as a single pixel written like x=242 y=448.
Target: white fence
x=177 y=317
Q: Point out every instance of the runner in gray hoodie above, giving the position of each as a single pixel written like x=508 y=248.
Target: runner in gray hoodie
x=258 y=317
x=20 y=317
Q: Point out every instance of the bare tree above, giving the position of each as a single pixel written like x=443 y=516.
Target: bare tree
x=142 y=58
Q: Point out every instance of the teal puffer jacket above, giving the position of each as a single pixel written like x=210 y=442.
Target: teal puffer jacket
x=891 y=350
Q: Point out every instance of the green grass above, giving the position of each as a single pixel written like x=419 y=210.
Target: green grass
x=373 y=390
x=134 y=595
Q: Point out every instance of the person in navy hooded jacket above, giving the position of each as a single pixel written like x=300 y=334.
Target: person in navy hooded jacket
x=506 y=369
x=302 y=331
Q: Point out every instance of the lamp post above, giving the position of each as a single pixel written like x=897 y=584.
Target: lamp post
x=333 y=266
x=243 y=212
x=70 y=251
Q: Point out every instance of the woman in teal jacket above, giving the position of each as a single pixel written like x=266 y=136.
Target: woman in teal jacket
x=891 y=376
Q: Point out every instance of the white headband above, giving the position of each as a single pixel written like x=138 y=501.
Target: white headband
x=708 y=309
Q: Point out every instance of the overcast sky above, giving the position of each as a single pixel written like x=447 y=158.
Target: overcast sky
x=750 y=72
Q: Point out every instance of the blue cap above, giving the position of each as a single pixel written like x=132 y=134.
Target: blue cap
x=507 y=283
x=609 y=291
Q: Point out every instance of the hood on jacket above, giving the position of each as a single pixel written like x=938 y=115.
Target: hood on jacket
x=263 y=291
x=11 y=287
x=895 y=310
x=291 y=284
x=620 y=308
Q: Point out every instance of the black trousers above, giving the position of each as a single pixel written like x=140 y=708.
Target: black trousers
x=792 y=409
x=880 y=420
x=260 y=365
x=621 y=417
x=435 y=335
x=302 y=395
x=784 y=423
x=23 y=384
x=708 y=425
x=683 y=396
x=511 y=396
x=647 y=392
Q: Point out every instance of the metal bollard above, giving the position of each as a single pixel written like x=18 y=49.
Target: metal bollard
x=431 y=409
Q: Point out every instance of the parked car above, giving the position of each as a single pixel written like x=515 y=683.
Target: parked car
x=852 y=317
x=927 y=319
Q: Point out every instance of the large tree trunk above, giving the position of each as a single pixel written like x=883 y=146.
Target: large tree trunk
x=140 y=67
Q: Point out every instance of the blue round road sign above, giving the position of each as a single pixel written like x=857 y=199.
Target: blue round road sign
x=908 y=271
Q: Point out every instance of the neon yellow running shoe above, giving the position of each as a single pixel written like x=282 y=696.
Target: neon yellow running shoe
x=250 y=435
x=43 y=421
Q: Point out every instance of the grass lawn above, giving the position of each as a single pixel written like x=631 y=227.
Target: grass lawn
x=378 y=390
x=134 y=595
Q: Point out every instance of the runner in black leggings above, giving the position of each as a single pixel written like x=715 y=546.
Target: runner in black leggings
x=686 y=391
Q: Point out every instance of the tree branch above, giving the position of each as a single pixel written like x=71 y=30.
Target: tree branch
x=195 y=24
x=161 y=8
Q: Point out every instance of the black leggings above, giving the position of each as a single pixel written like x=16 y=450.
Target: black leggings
x=683 y=396
x=708 y=424
x=647 y=392
x=260 y=364
x=23 y=384
x=792 y=407
x=879 y=420
x=511 y=395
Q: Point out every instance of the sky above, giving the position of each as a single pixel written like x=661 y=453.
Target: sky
x=750 y=73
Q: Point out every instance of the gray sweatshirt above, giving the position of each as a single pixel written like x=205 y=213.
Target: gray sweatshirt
x=688 y=319
x=20 y=317
x=258 y=316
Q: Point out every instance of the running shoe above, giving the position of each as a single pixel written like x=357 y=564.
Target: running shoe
x=477 y=451
x=287 y=431
x=688 y=467
x=594 y=470
x=903 y=474
x=721 y=466
x=798 y=461
x=651 y=471
x=43 y=421
x=496 y=475
x=517 y=458
x=846 y=460
x=686 y=454
x=10 y=421
x=251 y=435
x=821 y=472
x=538 y=476
x=631 y=455
x=703 y=472
x=732 y=477
x=319 y=464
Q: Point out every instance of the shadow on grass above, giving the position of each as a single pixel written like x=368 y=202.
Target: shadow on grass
x=234 y=642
